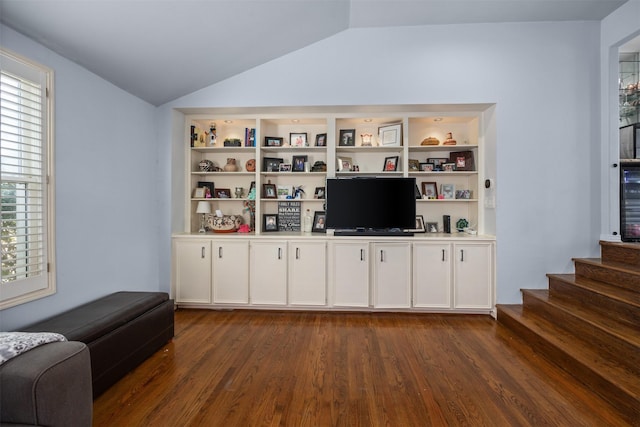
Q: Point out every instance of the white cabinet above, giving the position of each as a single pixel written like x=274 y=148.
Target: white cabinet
x=307 y=273
x=473 y=276
x=268 y=272
x=192 y=271
x=350 y=274
x=392 y=275
x=432 y=275
x=230 y=271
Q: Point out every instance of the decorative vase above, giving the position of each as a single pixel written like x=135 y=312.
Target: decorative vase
x=231 y=166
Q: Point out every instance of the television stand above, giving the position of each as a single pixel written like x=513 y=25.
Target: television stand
x=373 y=232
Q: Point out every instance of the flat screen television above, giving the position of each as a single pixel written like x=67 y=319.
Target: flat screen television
x=357 y=206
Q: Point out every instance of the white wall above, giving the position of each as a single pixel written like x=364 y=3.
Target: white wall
x=544 y=79
x=106 y=188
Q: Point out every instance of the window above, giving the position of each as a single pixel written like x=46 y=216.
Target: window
x=26 y=185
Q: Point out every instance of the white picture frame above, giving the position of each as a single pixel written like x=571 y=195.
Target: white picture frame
x=390 y=135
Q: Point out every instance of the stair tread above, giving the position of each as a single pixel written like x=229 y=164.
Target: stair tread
x=628 y=268
x=607 y=289
x=608 y=323
x=574 y=347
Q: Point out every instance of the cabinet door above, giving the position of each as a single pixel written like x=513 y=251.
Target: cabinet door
x=231 y=272
x=307 y=273
x=392 y=275
x=350 y=274
x=192 y=271
x=432 y=275
x=268 y=273
x=473 y=275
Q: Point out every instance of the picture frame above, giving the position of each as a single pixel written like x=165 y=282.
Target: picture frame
x=271 y=164
x=448 y=191
x=321 y=140
x=431 y=227
x=417 y=192
x=222 y=193
x=198 y=193
x=298 y=139
x=419 y=228
x=390 y=164
x=298 y=163
x=390 y=135
x=284 y=167
x=414 y=165
x=426 y=167
x=345 y=164
x=319 y=218
x=209 y=188
x=347 y=138
x=429 y=190
x=438 y=162
x=448 y=167
x=319 y=193
x=463 y=160
x=284 y=191
x=273 y=141
x=269 y=222
x=269 y=191
x=463 y=194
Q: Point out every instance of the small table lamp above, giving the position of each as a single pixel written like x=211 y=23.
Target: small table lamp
x=203 y=208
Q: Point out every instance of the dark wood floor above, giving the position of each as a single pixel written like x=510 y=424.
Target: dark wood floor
x=254 y=368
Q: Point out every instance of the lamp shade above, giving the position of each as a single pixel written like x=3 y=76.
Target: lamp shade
x=203 y=208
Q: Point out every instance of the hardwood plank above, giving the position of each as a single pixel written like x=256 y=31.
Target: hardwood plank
x=265 y=368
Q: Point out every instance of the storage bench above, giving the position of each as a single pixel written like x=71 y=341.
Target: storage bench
x=121 y=330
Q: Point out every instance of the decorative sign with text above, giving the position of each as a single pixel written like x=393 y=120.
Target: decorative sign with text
x=289 y=216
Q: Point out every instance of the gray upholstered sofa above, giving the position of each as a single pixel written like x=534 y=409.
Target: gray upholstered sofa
x=49 y=385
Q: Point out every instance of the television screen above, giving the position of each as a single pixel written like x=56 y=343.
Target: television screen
x=371 y=203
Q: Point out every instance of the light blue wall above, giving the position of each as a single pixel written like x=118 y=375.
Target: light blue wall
x=106 y=188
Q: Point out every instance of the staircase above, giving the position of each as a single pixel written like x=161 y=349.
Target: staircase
x=588 y=323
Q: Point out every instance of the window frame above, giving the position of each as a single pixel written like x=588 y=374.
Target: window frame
x=24 y=290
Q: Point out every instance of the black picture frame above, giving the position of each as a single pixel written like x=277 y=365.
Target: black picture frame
x=269 y=191
x=319 y=193
x=298 y=139
x=321 y=140
x=417 y=192
x=390 y=164
x=298 y=163
x=208 y=185
x=273 y=141
x=426 y=167
x=347 y=138
x=319 y=222
x=269 y=222
x=271 y=164
x=438 y=162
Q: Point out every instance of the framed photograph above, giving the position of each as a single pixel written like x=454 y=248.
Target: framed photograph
x=414 y=165
x=448 y=167
x=319 y=193
x=271 y=164
x=321 y=140
x=273 y=141
x=419 y=228
x=269 y=191
x=390 y=135
x=298 y=139
x=437 y=162
x=285 y=167
x=429 y=190
x=390 y=164
x=208 y=188
x=418 y=195
x=431 y=227
x=298 y=163
x=319 y=221
x=463 y=194
x=270 y=222
x=223 y=193
x=284 y=191
x=463 y=160
x=426 y=167
x=347 y=138
x=448 y=191
x=345 y=164
x=198 y=193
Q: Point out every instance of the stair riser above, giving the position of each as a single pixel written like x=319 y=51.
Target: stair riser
x=627 y=254
x=624 y=402
x=597 y=302
x=618 y=278
x=625 y=354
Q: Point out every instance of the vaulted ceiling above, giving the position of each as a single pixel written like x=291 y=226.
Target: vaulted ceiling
x=160 y=50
